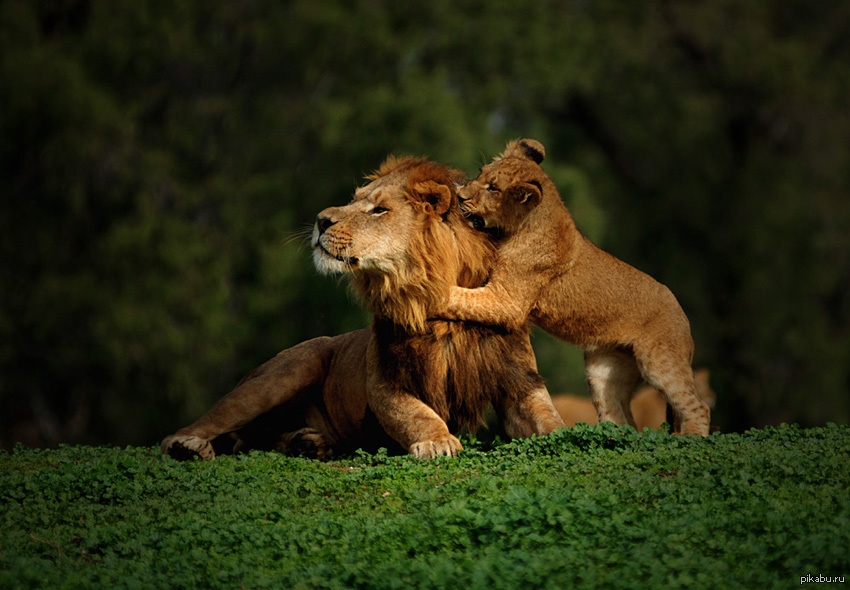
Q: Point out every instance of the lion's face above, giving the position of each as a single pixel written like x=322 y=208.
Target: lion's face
x=402 y=241
x=506 y=190
x=377 y=231
x=360 y=236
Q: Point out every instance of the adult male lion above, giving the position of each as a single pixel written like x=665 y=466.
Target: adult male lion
x=404 y=244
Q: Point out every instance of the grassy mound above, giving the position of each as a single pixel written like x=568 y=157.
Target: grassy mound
x=589 y=507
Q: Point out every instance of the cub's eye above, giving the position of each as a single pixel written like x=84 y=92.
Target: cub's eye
x=378 y=210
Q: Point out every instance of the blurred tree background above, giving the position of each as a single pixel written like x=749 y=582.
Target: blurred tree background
x=161 y=161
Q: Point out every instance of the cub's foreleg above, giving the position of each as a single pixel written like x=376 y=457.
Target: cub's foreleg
x=491 y=305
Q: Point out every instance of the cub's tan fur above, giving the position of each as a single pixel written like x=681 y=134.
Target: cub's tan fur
x=629 y=325
x=649 y=409
x=404 y=244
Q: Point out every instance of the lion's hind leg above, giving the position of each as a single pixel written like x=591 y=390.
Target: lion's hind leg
x=306 y=442
x=612 y=376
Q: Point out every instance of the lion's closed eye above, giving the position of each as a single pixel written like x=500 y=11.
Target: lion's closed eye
x=378 y=210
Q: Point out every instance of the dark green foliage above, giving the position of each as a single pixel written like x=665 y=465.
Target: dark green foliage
x=158 y=160
x=590 y=507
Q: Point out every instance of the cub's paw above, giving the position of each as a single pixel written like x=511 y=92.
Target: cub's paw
x=694 y=431
x=184 y=447
x=697 y=426
x=440 y=447
x=307 y=442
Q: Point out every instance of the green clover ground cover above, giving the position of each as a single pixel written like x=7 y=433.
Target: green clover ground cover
x=590 y=507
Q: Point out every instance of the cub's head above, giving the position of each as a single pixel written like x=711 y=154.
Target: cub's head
x=507 y=189
x=402 y=241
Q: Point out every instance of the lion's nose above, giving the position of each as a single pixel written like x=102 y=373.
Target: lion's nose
x=323 y=222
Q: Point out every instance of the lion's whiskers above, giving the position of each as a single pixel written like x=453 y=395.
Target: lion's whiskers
x=300 y=237
x=302 y=234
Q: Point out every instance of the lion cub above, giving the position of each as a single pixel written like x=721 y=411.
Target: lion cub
x=629 y=325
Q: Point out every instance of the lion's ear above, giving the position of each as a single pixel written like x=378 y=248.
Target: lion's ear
x=530 y=149
x=437 y=195
x=526 y=193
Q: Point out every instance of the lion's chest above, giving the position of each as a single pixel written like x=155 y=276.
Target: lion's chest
x=455 y=368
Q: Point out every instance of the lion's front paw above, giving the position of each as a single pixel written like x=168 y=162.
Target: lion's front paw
x=184 y=447
x=441 y=447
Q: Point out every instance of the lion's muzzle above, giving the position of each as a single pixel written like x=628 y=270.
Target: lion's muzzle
x=350 y=261
x=328 y=247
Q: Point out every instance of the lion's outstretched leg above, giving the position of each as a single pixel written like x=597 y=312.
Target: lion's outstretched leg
x=285 y=379
x=185 y=447
x=611 y=376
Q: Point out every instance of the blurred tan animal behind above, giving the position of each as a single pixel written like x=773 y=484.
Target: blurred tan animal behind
x=648 y=406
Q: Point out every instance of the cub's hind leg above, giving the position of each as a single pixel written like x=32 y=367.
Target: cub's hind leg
x=612 y=375
x=670 y=372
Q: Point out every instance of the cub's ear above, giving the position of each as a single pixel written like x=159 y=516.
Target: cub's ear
x=530 y=149
x=437 y=196
x=533 y=150
x=526 y=193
